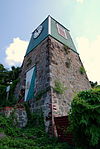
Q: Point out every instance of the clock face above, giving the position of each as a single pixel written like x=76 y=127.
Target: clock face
x=37 y=32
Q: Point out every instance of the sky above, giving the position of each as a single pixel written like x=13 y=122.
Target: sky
x=19 y=18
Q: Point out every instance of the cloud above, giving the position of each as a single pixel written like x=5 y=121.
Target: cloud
x=90 y=54
x=81 y=1
x=15 y=51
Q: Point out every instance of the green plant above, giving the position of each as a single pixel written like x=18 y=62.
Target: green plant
x=7 y=126
x=59 y=87
x=68 y=62
x=82 y=70
x=85 y=119
x=94 y=84
x=98 y=86
x=66 y=49
x=11 y=98
x=6 y=78
x=34 y=119
x=3 y=95
x=27 y=138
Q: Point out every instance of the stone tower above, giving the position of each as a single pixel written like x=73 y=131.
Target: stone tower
x=52 y=72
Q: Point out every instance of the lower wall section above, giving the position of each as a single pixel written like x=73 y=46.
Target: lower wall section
x=19 y=114
x=43 y=105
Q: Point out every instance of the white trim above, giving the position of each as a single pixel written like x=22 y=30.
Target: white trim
x=49 y=25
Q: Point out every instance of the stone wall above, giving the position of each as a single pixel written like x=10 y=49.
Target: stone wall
x=19 y=114
x=65 y=67
x=39 y=57
x=54 y=62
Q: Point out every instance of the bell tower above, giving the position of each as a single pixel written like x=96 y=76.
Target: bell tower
x=52 y=72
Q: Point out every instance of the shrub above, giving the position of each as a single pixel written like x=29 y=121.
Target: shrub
x=7 y=126
x=27 y=138
x=85 y=119
x=59 y=87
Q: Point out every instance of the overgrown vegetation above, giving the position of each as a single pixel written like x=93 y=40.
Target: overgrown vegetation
x=59 y=87
x=68 y=62
x=85 y=119
x=66 y=49
x=8 y=77
x=82 y=70
x=31 y=137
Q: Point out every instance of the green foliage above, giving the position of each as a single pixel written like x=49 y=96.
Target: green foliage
x=82 y=70
x=2 y=95
x=93 y=84
x=85 y=119
x=12 y=100
x=32 y=143
x=6 y=77
x=7 y=126
x=14 y=73
x=66 y=49
x=2 y=68
x=27 y=138
x=59 y=87
x=98 y=86
x=34 y=119
x=68 y=62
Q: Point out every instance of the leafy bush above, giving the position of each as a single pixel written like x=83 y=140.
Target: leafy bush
x=93 y=84
x=2 y=95
x=6 y=78
x=27 y=138
x=59 y=87
x=7 y=126
x=85 y=119
x=34 y=119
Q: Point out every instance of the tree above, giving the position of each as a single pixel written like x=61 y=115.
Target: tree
x=2 y=68
x=85 y=119
x=93 y=84
x=6 y=77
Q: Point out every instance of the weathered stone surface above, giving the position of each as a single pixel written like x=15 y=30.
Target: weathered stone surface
x=53 y=62
x=19 y=114
x=69 y=75
x=21 y=117
x=7 y=111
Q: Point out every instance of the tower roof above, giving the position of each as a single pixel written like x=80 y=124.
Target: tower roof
x=50 y=27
